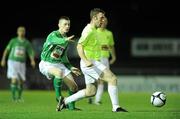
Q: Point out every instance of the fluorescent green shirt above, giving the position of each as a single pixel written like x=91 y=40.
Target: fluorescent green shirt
x=90 y=43
x=106 y=40
x=55 y=49
x=18 y=49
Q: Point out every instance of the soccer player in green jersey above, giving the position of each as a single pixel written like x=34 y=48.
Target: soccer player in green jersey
x=54 y=62
x=105 y=37
x=89 y=50
x=17 y=49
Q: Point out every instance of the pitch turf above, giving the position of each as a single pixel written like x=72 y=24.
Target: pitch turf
x=41 y=105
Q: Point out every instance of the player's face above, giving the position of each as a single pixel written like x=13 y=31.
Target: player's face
x=104 y=23
x=99 y=19
x=64 y=26
x=21 y=31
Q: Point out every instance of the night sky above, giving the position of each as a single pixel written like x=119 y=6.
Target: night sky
x=126 y=19
x=135 y=18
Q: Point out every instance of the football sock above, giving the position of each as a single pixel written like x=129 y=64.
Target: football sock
x=90 y=100
x=20 y=89
x=57 y=83
x=75 y=97
x=71 y=105
x=99 y=93
x=13 y=90
x=113 y=93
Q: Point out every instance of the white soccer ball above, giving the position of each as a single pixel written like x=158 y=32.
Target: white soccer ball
x=158 y=99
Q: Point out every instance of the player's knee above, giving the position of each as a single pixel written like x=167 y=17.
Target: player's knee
x=113 y=80
x=56 y=73
x=13 y=81
x=91 y=91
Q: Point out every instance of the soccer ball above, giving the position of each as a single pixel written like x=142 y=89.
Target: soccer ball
x=158 y=99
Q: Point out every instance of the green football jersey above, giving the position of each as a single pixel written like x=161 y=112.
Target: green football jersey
x=90 y=43
x=106 y=40
x=18 y=49
x=55 y=49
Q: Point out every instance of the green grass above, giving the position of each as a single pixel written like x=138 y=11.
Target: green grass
x=41 y=105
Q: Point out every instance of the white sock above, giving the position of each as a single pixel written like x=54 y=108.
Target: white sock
x=77 y=96
x=113 y=93
x=99 y=93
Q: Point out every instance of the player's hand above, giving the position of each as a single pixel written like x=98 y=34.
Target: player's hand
x=70 y=38
x=33 y=64
x=3 y=63
x=88 y=63
x=112 y=60
x=76 y=71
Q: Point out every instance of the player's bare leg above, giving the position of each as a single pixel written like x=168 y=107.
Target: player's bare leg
x=90 y=90
x=99 y=93
x=109 y=77
x=73 y=88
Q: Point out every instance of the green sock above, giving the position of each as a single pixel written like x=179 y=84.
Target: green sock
x=71 y=106
x=57 y=83
x=13 y=90
x=20 y=89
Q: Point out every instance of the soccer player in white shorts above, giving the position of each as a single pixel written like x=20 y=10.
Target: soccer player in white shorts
x=17 y=49
x=54 y=61
x=108 y=56
x=93 y=70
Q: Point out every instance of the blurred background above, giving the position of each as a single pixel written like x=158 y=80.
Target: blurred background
x=146 y=34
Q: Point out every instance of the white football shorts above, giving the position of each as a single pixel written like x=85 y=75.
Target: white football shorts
x=92 y=74
x=105 y=61
x=16 y=70
x=45 y=66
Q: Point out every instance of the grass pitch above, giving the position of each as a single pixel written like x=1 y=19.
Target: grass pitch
x=41 y=105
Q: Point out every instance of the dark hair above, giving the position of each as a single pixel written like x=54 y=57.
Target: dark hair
x=95 y=11
x=64 y=17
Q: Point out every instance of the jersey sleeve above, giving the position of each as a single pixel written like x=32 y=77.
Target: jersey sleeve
x=53 y=39
x=9 y=46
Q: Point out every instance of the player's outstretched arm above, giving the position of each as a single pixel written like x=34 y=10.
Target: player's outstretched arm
x=70 y=38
